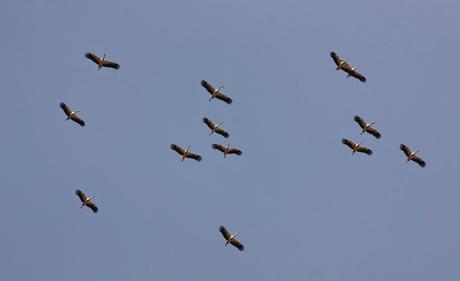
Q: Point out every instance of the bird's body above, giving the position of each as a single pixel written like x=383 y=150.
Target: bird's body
x=412 y=156
x=215 y=128
x=86 y=201
x=72 y=115
x=215 y=93
x=231 y=239
x=356 y=147
x=367 y=127
x=185 y=153
x=343 y=65
x=227 y=149
x=101 y=62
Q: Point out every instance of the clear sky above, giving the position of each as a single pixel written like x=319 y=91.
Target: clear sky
x=305 y=208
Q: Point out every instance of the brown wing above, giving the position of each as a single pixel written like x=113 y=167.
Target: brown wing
x=208 y=86
x=65 y=108
x=336 y=58
x=224 y=98
x=419 y=161
x=80 y=195
x=208 y=122
x=224 y=232
x=178 y=149
x=356 y=74
x=194 y=156
x=360 y=121
x=218 y=147
x=92 y=206
x=373 y=132
x=111 y=64
x=222 y=132
x=364 y=149
x=78 y=120
x=348 y=143
x=237 y=244
x=93 y=57
x=235 y=151
x=405 y=149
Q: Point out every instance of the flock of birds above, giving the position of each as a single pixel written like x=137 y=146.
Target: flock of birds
x=216 y=93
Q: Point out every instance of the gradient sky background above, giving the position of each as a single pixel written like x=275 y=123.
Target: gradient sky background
x=305 y=208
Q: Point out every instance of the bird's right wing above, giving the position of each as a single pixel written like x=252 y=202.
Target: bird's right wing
x=223 y=97
x=237 y=244
x=93 y=57
x=224 y=232
x=336 y=58
x=80 y=195
x=111 y=64
x=218 y=147
x=222 y=132
x=360 y=121
x=208 y=122
x=235 y=151
x=348 y=143
x=207 y=86
x=78 y=120
x=405 y=149
x=374 y=132
x=178 y=149
x=419 y=161
x=364 y=149
x=65 y=108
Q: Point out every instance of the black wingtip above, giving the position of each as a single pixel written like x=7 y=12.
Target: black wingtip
x=204 y=83
x=356 y=118
x=402 y=146
x=344 y=141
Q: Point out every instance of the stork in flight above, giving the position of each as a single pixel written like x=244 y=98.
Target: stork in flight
x=227 y=150
x=72 y=115
x=215 y=93
x=367 y=127
x=215 y=128
x=86 y=201
x=185 y=153
x=412 y=156
x=231 y=238
x=101 y=62
x=351 y=71
x=356 y=147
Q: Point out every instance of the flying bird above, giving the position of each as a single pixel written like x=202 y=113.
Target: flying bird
x=231 y=238
x=101 y=62
x=412 y=155
x=227 y=150
x=72 y=115
x=367 y=127
x=342 y=64
x=356 y=147
x=215 y=93
x=185 y=153
x=86 y=201
x=215 y=128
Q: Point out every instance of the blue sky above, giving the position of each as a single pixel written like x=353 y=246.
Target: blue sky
x=305 y=208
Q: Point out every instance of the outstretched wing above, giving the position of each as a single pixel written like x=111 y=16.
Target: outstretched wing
x=356 y=74
x=218 y=147
x=336 y=58
x=92 y=206
x=65 y=108
x=224 y=98
x=405 y=149
x=373 y=132
x=111 y=64
x=80 y=195
x=224 y=232
x=364 y=149
x=237 y=244
x=194 y=156
x=93 y=57
x=178 y=149
x=222 y=132
x=419 y=161
x=78 y=120
x=208 y=86
x=208 y=122
x=235 y=151
x=360 y=121
x=348 y=143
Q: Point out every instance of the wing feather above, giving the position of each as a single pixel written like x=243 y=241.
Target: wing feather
x=235 y=151
x=237 y=244
x=208 y=122
x=364 y=149
x=207 y=86
x=92 y=206
x=222 y=132
x=80 y=195
x=93 y=57
x=78 y=120
x=405 y=149
x=224 y=232
x=194 y=156
x=348 y=143
x=178 y=149
x=360 y=121
x=419 y=161
x=65 y=108
x=111 y=64
x=224 y=98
